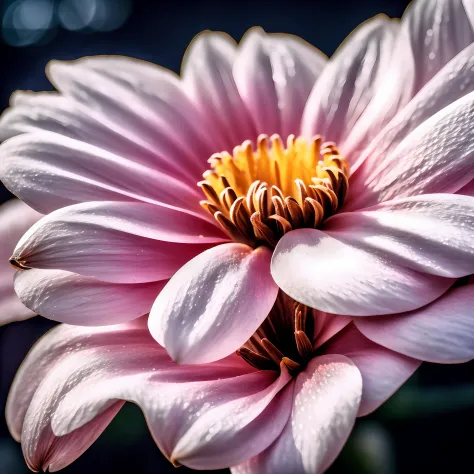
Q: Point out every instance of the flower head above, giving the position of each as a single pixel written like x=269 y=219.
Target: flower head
x=245 y=206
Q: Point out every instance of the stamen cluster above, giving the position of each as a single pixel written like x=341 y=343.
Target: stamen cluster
x=259 y=195
x=285 y=336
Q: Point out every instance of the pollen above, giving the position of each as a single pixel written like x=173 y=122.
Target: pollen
x=260 y=193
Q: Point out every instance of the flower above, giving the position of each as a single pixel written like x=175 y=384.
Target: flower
x=344 y=184
x=15 y=219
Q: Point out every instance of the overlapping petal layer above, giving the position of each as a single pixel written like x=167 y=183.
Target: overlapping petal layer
x=15 y=219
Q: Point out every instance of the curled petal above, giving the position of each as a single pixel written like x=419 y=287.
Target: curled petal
x=326 y=399
x=15 y=219
x=214 y=303
x=327 y=271
x=74 y=380
x=114 y=242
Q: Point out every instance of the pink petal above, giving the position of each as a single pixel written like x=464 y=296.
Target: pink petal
x=441 y=332
x=327 y=326
x=48 y=171
x=432 y=233
x=274 y=75
x=326 y=399
x=349 y=81
x=452 y=82
x=135 y=218
x=144 y=101
x=436 y=157
x=32 y=112
x=207 y=76
x=467 y=190
x=15 y=219
x=383 y=371
x=438 y=30
x=75 y=375
x=214 y=303
x=115 y=242
x=326 y=271
x=75 y=299
x=232 y=432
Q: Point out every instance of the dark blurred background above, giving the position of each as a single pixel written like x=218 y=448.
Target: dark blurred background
x=426 y=427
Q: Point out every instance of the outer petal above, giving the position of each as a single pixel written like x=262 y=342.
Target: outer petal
x=73 y=376
x=214 y=303
x=32 y=112
x=436 y=157
x=438 y=30
x=207 y=75
x=441 y=332
x=48 y=171
x=15 y=219
x=432 y=233
x=326 y=399
x=274 y=75
x=326 y=271
x=119 y=246
x=383 y=371
x=75 y=299
x=350 y=80
x=141 y=99
x=231 y=433
x=452 y=82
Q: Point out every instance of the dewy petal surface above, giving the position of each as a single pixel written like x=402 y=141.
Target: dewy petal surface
x=274 y=75
x=214 y=303
x=231 y=433
x=326 y=399
x=431 y=233
x=349 y=81
x=383 y=370
x=48 y=171
x=207 y=77
x=75 y=377
x=441 y=332
x=451 y=83
x=15 y=219
x=32 y=112
x=108 y=243
x=143 y=99
x=436 y=157
x=438 y=30
x=324 y=270
x=75 y=299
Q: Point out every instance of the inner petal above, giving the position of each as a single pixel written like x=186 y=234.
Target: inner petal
x=258 y=195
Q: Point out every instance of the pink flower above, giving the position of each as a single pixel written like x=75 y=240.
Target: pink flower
x=15 y=219
x=381 y=231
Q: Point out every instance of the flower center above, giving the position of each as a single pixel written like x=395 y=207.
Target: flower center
x=285 y=336
x=258 y=195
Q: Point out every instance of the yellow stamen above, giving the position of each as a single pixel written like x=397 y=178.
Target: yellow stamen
x=257 y=195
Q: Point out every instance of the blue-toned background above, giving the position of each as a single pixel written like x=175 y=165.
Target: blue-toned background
x=427 y=427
